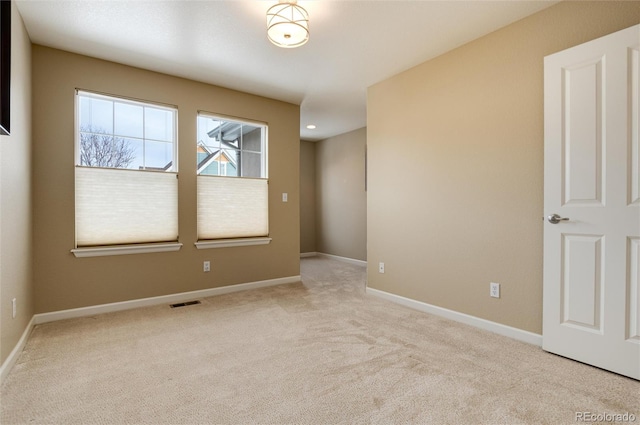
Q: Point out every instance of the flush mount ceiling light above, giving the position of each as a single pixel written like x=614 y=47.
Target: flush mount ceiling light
x=287 y=24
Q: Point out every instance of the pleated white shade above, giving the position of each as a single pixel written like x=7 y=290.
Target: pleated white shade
x=231 y=207
x=117 y=206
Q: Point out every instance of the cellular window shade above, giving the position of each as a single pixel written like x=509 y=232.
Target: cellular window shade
x=116 y=206
x=232 y=207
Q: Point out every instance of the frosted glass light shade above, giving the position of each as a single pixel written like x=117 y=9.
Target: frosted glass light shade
x=287 y=24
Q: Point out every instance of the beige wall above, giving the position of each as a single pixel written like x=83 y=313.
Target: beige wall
x=15 y=197
x=63 y=281
x=341 y=199
x=307 y=196
x=455 y=150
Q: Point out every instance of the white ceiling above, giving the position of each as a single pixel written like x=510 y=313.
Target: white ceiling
x=353 y=44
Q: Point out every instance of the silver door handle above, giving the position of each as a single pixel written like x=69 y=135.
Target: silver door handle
x=555 y=219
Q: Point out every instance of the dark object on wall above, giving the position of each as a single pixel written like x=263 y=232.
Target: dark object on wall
x=5 y=66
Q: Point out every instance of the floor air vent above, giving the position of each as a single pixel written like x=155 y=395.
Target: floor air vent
x=184 y=304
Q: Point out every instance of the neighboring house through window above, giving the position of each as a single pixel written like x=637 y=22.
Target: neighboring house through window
x=216 y=163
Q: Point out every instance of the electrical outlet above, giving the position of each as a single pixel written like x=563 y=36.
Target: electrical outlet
x=14 y=308
x=494 y=290
x=285 y=197
x=380 y=267
x=206 y=266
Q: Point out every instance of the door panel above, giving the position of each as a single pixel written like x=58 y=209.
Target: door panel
x=581 y=284
x=633 y=291
x=582 y=88
x=634 y=129
x=591 y=292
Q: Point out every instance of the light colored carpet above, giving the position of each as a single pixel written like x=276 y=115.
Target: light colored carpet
x=317 y=352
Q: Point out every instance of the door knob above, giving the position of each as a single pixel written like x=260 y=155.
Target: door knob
x=555 y=219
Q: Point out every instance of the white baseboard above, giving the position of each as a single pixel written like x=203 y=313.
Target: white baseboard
x=498 y=328
x=15 y=353
x=164 y=299
x=308 y=254
x=343 y=259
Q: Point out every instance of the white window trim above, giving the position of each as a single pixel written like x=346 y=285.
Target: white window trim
x=103 y=251
x=227 y=243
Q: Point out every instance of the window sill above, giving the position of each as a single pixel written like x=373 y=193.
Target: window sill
x=226 y=243
x=104 y=251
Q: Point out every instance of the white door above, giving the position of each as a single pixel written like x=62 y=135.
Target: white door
x=592 y=184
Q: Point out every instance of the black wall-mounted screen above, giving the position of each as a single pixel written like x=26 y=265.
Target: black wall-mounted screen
x=5 y=66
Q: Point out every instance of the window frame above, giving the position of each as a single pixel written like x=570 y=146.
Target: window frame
x=124 y=248
x=264 y=162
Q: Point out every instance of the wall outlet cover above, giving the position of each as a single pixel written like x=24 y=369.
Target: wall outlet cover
x=494 y=290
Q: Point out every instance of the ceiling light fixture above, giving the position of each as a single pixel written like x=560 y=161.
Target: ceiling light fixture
x=287 y=24
x=311 y=127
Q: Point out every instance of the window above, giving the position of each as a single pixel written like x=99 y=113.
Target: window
x=126 y=172
x=232 y=179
